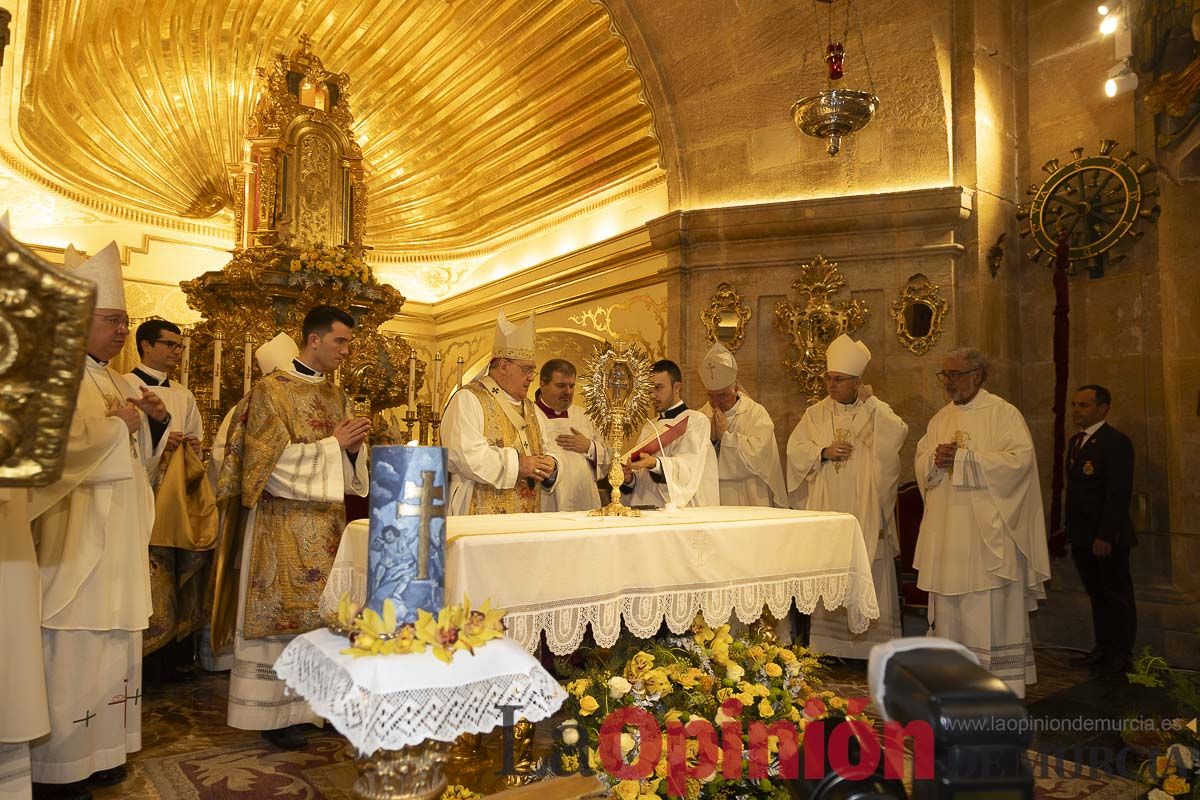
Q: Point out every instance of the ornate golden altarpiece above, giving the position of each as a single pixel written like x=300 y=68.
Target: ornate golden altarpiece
x=300 y=212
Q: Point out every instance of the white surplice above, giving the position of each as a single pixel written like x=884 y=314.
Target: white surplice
x=748 y=464
x=319 y=472
x=23 y=710
x=181 y=405
x=982 y=551
x=92 y=531
x=863 y=485
x=687 y=466
x=577 y=472
x=472 y=458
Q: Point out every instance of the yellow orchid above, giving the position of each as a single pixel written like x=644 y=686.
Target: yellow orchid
x=482 y=624
x=641 y=663
x=347 y=612
x=1175 y=785
x=441 y=632
x=657 y=682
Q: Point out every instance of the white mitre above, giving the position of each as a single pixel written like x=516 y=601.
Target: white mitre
x=276 y=354
x=4 y=223
x=718 y=370
x=513 y=341
x=104 y=270
x=71 y=257
x=847 y=356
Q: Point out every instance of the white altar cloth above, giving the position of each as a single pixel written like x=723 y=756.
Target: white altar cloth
x=394 y=701
x=558 y=572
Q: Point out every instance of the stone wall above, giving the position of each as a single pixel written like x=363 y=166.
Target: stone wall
x=1132 y=330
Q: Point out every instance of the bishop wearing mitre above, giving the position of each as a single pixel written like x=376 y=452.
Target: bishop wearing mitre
x=92 y=529
x=743 y=434
x=981 y=553
x=682 y=471
x=496 y=459
x=844 y=455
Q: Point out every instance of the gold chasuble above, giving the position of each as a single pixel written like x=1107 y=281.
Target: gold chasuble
x=506 y=424
x=293 y=541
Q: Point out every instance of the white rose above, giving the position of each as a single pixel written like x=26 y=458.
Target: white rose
x=1159 y=794
x=570 y=732
x=722 y=717
x=735 y=672
x=618 y=687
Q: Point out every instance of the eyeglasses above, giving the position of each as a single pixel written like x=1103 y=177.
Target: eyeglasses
x=113 y=320
x=174 y=347
x=954 y=374
x=526 y=370
x=838 y=380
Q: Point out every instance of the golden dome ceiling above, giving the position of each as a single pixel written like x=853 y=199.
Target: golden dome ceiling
x=477 y=118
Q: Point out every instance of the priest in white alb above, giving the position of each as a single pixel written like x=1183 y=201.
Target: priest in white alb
x=496 y=458
x=23 y=713
x=583 y=457
x=981 y=553
x=92 y=530
x=290 y=461
x=160 y=348
x=844 y=455
x=743 y=434
x=681 y=471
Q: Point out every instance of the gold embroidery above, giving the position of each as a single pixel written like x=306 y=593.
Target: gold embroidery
x=522 y=498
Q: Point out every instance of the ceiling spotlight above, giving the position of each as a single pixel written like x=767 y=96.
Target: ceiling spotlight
x=1102 y=10
x=1108 y=25
x=1121 y=84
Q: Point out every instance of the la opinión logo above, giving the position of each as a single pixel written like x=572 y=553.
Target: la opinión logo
x=849 y=747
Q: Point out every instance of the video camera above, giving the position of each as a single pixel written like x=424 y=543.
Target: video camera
x=969 y=733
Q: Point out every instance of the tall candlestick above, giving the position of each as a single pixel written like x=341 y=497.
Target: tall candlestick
x=412 y=380
x=185 y=361
x=437 y=382
x=247 y=374
x=460 y=371
x=216 y=389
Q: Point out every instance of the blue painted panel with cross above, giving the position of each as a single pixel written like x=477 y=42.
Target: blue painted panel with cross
x=406 y=557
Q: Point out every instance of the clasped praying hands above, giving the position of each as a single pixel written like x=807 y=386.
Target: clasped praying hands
x=350 y=433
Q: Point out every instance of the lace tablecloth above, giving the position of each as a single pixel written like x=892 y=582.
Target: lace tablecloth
x=557 y=573
x=389 y=702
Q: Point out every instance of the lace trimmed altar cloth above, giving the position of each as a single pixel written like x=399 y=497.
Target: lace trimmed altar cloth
x=559 y=572
x=394 y=701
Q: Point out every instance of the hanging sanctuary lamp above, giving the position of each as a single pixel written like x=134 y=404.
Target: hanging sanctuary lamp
x=837 y=112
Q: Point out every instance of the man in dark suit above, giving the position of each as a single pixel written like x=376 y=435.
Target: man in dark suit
x=1099 y=485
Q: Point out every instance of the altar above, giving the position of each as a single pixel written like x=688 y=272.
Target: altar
x=557 y=573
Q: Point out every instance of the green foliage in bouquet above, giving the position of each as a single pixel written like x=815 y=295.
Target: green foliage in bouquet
x=683 y=678
x=1175 y=773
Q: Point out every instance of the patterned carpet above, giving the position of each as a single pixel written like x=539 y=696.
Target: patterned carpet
x=189 y=753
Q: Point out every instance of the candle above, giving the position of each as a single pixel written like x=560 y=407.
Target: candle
x=247 y=375
x=460 y=371
x=412 y=381
x=186 y=360
x=437 y=382
x=216 y=389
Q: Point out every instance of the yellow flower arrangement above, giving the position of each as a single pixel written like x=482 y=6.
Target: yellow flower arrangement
x=454 y=628
x=458 y=792
x=324 y=262
x=677 y=679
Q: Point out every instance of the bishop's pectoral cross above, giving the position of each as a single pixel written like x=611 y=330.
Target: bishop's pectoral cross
x=427 y=511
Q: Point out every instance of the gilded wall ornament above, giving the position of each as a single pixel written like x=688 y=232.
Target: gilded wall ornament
x=919 y=315
x=726 y=317
x=45 y=315
x=817 y=321
x=1097 y=201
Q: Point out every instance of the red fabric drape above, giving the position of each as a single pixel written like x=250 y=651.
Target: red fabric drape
x=1062 y=352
